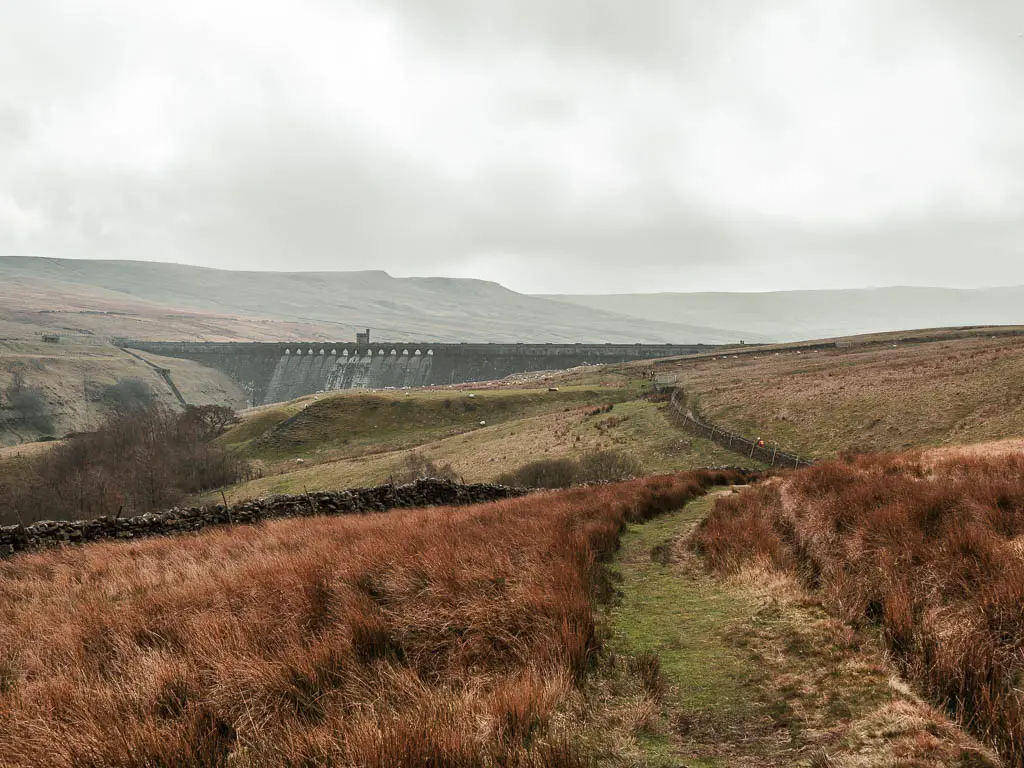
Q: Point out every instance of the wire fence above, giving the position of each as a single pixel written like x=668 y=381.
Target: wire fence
x=752 y=449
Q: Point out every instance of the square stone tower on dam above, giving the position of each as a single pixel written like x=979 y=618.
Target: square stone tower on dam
x=279 y=371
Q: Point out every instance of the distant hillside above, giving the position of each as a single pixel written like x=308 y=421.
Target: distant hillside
x=151 y=300
x=798 y=315
x=955 y=390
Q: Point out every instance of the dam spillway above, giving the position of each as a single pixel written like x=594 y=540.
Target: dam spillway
x=272 y=372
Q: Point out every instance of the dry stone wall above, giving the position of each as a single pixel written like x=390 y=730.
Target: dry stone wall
x=422 y=493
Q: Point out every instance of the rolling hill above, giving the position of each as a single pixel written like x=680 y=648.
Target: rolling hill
x=150 y=300
x=801 y=315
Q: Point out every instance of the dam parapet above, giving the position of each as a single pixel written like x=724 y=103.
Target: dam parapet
x=272 y=372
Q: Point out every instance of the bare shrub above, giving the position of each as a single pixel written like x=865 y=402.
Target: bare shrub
x=140 y=460
x=595 y=467
x=543 y=473
x=607 y=466
x=416 y=466
x=127 y=395
x=26 y=407
x=208 y=421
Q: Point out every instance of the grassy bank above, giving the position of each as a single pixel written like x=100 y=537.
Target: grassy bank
x=926 y=548
x=887 y=397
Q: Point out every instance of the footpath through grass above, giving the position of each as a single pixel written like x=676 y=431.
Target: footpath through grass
x=748 y=672
x=684 y=621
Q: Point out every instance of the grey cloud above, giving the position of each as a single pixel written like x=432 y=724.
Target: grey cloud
x=572 y=142
x=601 y=28
x=14 y=125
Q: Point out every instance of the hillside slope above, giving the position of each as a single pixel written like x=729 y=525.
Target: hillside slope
x=152 y=297
x=359 y=438
x=799 y=315
x=71 y=382
x=878 y=397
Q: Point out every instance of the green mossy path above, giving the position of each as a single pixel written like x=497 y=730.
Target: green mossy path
x=703 y=673
x=686 y=619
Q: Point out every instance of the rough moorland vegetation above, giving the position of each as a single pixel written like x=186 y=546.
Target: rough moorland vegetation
x=144 y=458
x=928 y=549
x=424 y=637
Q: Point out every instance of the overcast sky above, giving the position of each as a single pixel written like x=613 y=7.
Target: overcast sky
x=552 y=146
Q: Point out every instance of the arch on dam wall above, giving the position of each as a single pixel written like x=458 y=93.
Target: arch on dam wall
x=417 y=353
x=430 y=352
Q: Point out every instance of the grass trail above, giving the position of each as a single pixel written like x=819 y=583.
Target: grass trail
x=685 y=619
x=752 y=672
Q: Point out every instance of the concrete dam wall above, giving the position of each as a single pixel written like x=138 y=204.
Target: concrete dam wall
x=275 y=372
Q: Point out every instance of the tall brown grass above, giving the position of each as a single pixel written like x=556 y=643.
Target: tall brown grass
x=441 y=637
x=930 y=551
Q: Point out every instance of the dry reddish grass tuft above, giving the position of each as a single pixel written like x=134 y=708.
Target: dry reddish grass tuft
x=928 y=549
x=425 y=637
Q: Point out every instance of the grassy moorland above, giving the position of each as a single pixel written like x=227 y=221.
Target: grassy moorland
x=344 y=424
x=356 y=438
x=924 y=546
x=456 y=637
x=884 y=396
